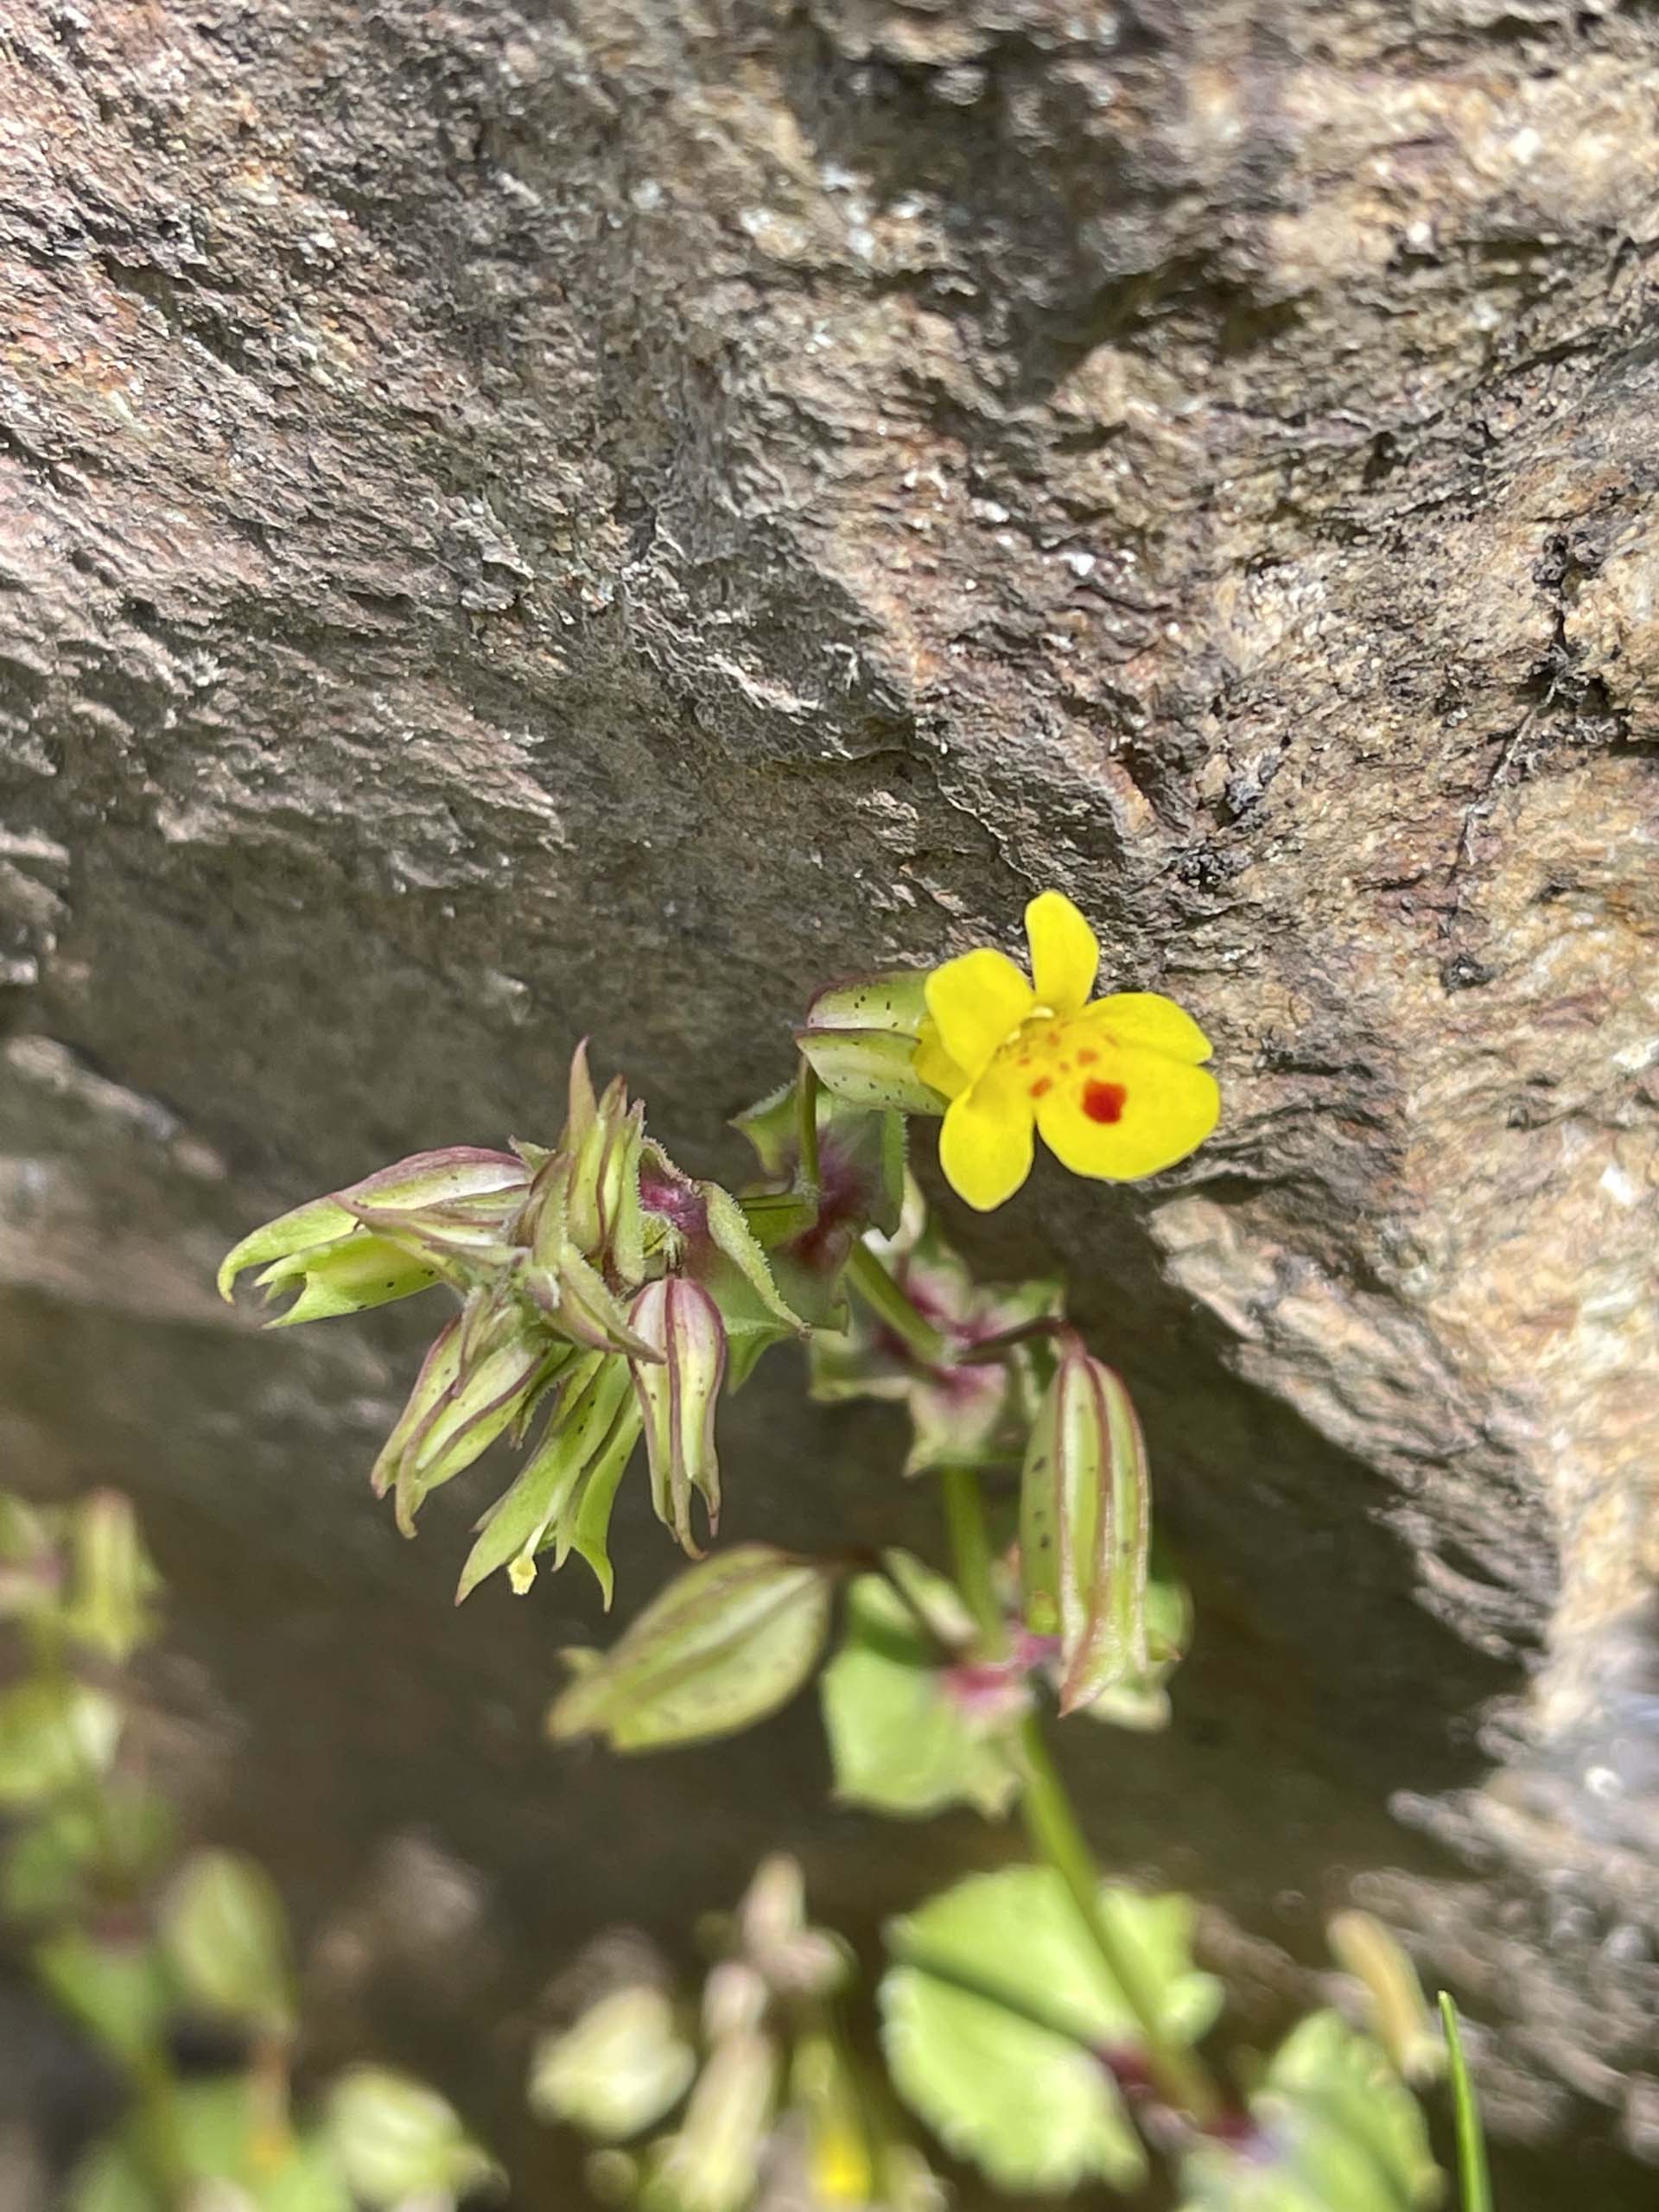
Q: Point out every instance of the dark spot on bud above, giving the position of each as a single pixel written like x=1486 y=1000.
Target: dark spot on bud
x=1104 y=1102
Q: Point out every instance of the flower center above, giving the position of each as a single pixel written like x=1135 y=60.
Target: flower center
x=1045 y=1050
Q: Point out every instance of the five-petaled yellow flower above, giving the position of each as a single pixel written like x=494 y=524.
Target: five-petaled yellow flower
x=1115 y=1085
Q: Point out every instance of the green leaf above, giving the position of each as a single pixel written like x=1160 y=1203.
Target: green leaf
x=1335 y=2128
x=225 y=1936
x=899 y=1742
x=113 y=1585
x=397 y=2141
x=618 y=2070
x=117 y=1992
x=892 y=999
x=993 y=2019
x=55 y=1736
x=725 y=1644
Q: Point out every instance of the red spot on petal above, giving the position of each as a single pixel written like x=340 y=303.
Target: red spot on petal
x=1043 y=1085
x=1104 y=1102
x=1087 y=1058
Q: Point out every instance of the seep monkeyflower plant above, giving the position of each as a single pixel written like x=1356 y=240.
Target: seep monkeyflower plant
x=1044 y=2023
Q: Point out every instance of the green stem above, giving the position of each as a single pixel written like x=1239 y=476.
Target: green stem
x=970 y=1551
x=889 y=1304
x=1052 y=1823
x=1056 y=1837
x=807 y=1087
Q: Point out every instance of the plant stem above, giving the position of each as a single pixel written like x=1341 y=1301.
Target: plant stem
x=970 y=1551
x=807 y=1087
x=1056 y=1837
x=871 y=1279
x=1052 y=1823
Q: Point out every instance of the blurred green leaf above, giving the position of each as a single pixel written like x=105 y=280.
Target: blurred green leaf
x=117 y=1990
x=618 y=2070
x=225 y=1936
x=899 y=1741
x=240 y=2157
x=995 y=2018
x=113 y=1586
x=725 y=1644
x=399 y=2142
x=71 y=1858
x=55 y=1736
x=1336 y=2130
x=31 y=1567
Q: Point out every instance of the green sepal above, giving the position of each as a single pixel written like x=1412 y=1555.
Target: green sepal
x=1085 y=1528
x=592 y=1387
x=350 y=1276
x=870 y=1068
x=426 y=1179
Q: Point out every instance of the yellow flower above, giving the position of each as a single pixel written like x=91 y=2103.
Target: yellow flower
x=1114 y=1085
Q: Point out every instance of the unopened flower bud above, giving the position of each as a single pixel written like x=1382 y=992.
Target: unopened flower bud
x=1084 y=1526
x=678 y=1390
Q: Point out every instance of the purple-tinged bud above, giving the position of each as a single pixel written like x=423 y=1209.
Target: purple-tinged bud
x=457 y=1408
x=1085 y=1527
x=680 y=1324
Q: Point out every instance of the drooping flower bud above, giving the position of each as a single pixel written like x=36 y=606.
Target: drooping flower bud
x=314 y=1240
x=562 y=1497
x=861 y=1039
x=1085 y=1528
x=458 y=1407
x=679 y=1392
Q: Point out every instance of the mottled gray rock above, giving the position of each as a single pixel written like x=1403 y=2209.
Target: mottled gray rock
x=517 y=522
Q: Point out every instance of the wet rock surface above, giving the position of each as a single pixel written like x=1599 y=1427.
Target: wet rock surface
x=516 y=524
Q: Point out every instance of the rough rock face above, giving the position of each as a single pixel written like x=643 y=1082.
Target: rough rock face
x=519 y=522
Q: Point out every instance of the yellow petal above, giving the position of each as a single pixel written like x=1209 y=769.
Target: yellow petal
x=934 y=1065
x=1147 y=1019
x=1064 y=952
x=986 y=1144
x=978 y=1001
x=1126 y=1116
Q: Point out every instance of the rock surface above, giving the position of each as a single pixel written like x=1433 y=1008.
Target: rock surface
x=517 y=522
